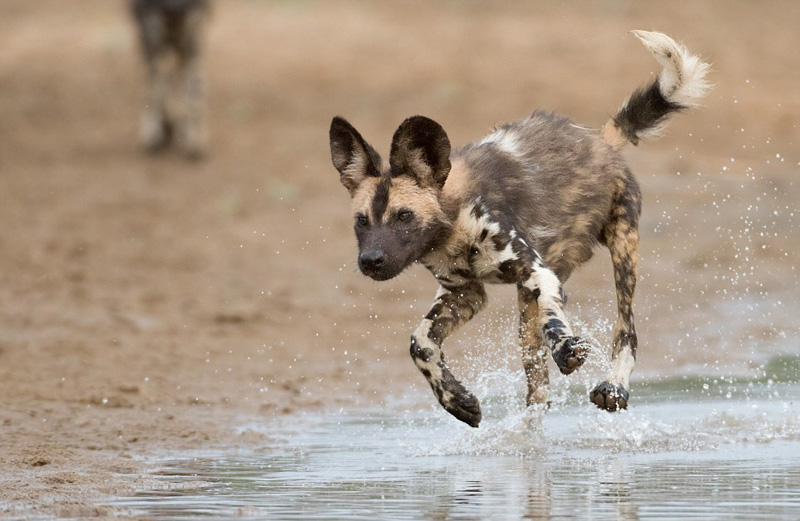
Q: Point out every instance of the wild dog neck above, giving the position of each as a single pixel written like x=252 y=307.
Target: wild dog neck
x=475 y=246
x=475 y=249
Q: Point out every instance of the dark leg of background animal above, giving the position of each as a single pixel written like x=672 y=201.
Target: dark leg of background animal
x=534 y=352
x=621 y=236
x=156 y=129
x=192 y=82
x=451 y=308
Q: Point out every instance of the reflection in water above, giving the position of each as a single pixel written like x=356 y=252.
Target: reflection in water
x=615 y=489
x=710 y=459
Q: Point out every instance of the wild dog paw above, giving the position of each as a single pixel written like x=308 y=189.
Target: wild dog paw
x=571 y=354
x=466 y=408
x=609 y=396
x=458 y=401
x=537 y=396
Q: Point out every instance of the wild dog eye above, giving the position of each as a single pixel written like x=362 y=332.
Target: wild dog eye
x=362 y=220
x=404 y=215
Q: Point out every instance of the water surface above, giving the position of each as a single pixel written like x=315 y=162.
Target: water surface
x=688 y=448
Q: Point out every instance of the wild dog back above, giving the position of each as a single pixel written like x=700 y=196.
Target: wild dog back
x=549 y=179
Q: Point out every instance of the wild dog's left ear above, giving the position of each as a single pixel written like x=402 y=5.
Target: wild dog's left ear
x=421 y=149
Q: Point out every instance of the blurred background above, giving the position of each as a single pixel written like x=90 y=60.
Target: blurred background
x=133 y=281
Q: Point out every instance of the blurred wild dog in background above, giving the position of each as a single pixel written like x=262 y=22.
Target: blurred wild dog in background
x=525 y=205
x=172 y=35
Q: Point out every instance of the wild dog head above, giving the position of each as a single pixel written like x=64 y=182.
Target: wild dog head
x=396 y=207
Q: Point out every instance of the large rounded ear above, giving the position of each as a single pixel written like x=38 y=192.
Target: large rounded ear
x=353 y=157
x=421 y=149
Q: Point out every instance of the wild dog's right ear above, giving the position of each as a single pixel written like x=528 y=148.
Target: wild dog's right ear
x=353 y=157
x=421 y=149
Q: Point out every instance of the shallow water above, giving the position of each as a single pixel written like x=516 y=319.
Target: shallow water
x=688 y=448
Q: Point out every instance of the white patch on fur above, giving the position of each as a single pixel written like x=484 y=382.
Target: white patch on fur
x=472 y=227
x=683 y=79
x=432 y=366
x=424 y=327
x=506 y=254
x=423 y=341
x=488 y=259
x=549 y=286
x=506 y=140
x=546 y=281
x=623 y=367
x=542 y=232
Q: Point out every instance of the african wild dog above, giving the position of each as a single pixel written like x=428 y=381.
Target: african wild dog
x=525 y=205
x=171 y=34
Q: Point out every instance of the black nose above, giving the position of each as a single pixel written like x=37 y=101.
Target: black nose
x=372 y=260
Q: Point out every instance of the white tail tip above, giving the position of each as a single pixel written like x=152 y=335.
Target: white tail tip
x=683 y=79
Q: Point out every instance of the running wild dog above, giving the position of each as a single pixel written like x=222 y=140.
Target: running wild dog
x=172 y=34
x=526 y=205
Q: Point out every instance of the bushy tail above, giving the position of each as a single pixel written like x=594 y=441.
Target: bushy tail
x=680 y=85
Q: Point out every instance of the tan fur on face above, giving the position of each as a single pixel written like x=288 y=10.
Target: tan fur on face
x=406 y=194
x=363 y=194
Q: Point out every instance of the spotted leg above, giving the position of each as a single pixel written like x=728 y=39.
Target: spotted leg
x=622 y=238
x=542 y=287
x=452 y=307
x=534 y=354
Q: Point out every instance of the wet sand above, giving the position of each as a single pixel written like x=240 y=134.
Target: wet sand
x=150 y=306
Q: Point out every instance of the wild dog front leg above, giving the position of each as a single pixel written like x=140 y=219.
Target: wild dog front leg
x=452 y=307
x=543 y=289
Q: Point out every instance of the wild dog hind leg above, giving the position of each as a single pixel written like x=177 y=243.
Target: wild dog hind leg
x=453 y=306
x=622 y=239
x=534 y=352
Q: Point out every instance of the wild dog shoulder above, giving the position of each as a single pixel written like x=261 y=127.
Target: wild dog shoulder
x=481 y=247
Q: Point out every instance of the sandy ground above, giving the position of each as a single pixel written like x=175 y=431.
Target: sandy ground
x=150 y=306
